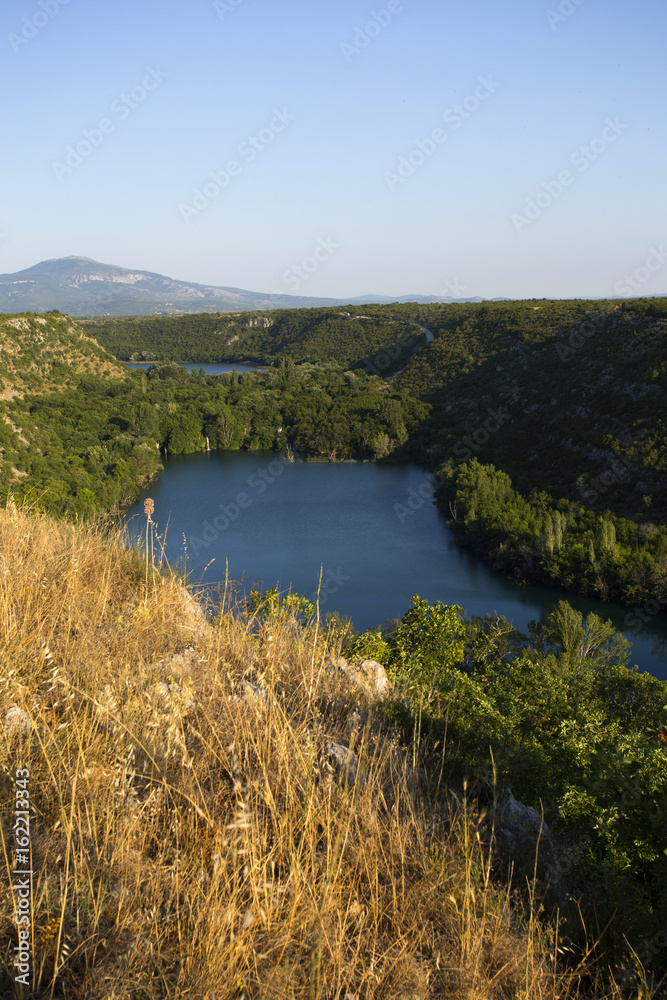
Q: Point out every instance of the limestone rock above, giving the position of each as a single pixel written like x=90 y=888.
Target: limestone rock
x=369 y=676
x=255 y=692
x=374 y=675
x=341 y=760
x=522 y=835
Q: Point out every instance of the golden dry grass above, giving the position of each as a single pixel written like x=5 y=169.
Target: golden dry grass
x=189 y=838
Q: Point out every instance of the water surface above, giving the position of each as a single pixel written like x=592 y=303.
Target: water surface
x=370 y=529
x=209 y=368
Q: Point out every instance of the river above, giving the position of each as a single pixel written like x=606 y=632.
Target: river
x=371 y=530
x=209 y=368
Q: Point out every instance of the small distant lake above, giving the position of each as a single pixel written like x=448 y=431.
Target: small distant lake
x=269 y=522
x=209 y=369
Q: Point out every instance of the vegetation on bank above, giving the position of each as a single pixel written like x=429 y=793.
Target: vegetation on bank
x=349 y=337
x=566 y=397
x=191 y=836
x=538 y=539
x=85 y=450
x=556 y=716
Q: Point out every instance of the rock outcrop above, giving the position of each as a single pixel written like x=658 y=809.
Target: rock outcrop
x=368 y=675
x=525 y=848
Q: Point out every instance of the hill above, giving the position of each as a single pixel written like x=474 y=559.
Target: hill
x=225 y=807
x=567 y=397
x=49 y=353
x=84 y=287
x=45 y=358
x=348 y=337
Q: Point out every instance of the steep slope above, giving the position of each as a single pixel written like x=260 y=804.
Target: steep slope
x=565 y=396
x=41 y=354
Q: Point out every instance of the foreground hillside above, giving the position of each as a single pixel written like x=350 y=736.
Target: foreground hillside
x=221 y=808
x=190 y=837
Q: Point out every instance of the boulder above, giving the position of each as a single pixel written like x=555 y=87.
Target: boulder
x=521 y=837
x=368 y=675
x=342 y=761
x=374 y=676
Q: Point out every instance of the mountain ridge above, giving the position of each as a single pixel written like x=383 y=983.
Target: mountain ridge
x=81 y=286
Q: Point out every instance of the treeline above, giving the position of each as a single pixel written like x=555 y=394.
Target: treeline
x=84 y=451
x=536 y=539
x=351 y=337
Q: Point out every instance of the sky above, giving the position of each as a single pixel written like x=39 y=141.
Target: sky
x=340 y=148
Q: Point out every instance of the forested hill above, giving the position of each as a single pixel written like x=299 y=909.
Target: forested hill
x=349 y=336
x=568 y=397
x=574 y=389
x=48 y=353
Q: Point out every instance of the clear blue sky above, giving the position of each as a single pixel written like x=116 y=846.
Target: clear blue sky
x=327 y=168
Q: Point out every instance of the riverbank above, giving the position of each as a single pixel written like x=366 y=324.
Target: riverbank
x=371 y=528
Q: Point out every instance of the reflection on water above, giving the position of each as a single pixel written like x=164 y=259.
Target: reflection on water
x=209 y=368
x=370 y=529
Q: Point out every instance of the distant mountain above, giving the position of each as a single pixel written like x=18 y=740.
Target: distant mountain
x=80 y=286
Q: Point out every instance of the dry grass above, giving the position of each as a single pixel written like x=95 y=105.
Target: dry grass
x=189 y=839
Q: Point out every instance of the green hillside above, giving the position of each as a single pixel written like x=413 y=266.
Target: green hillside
x=567 y=397
x=48 y=353
x=348 y=336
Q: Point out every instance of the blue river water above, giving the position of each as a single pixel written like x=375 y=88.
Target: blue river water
x=372 y=531
x=209 y=369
